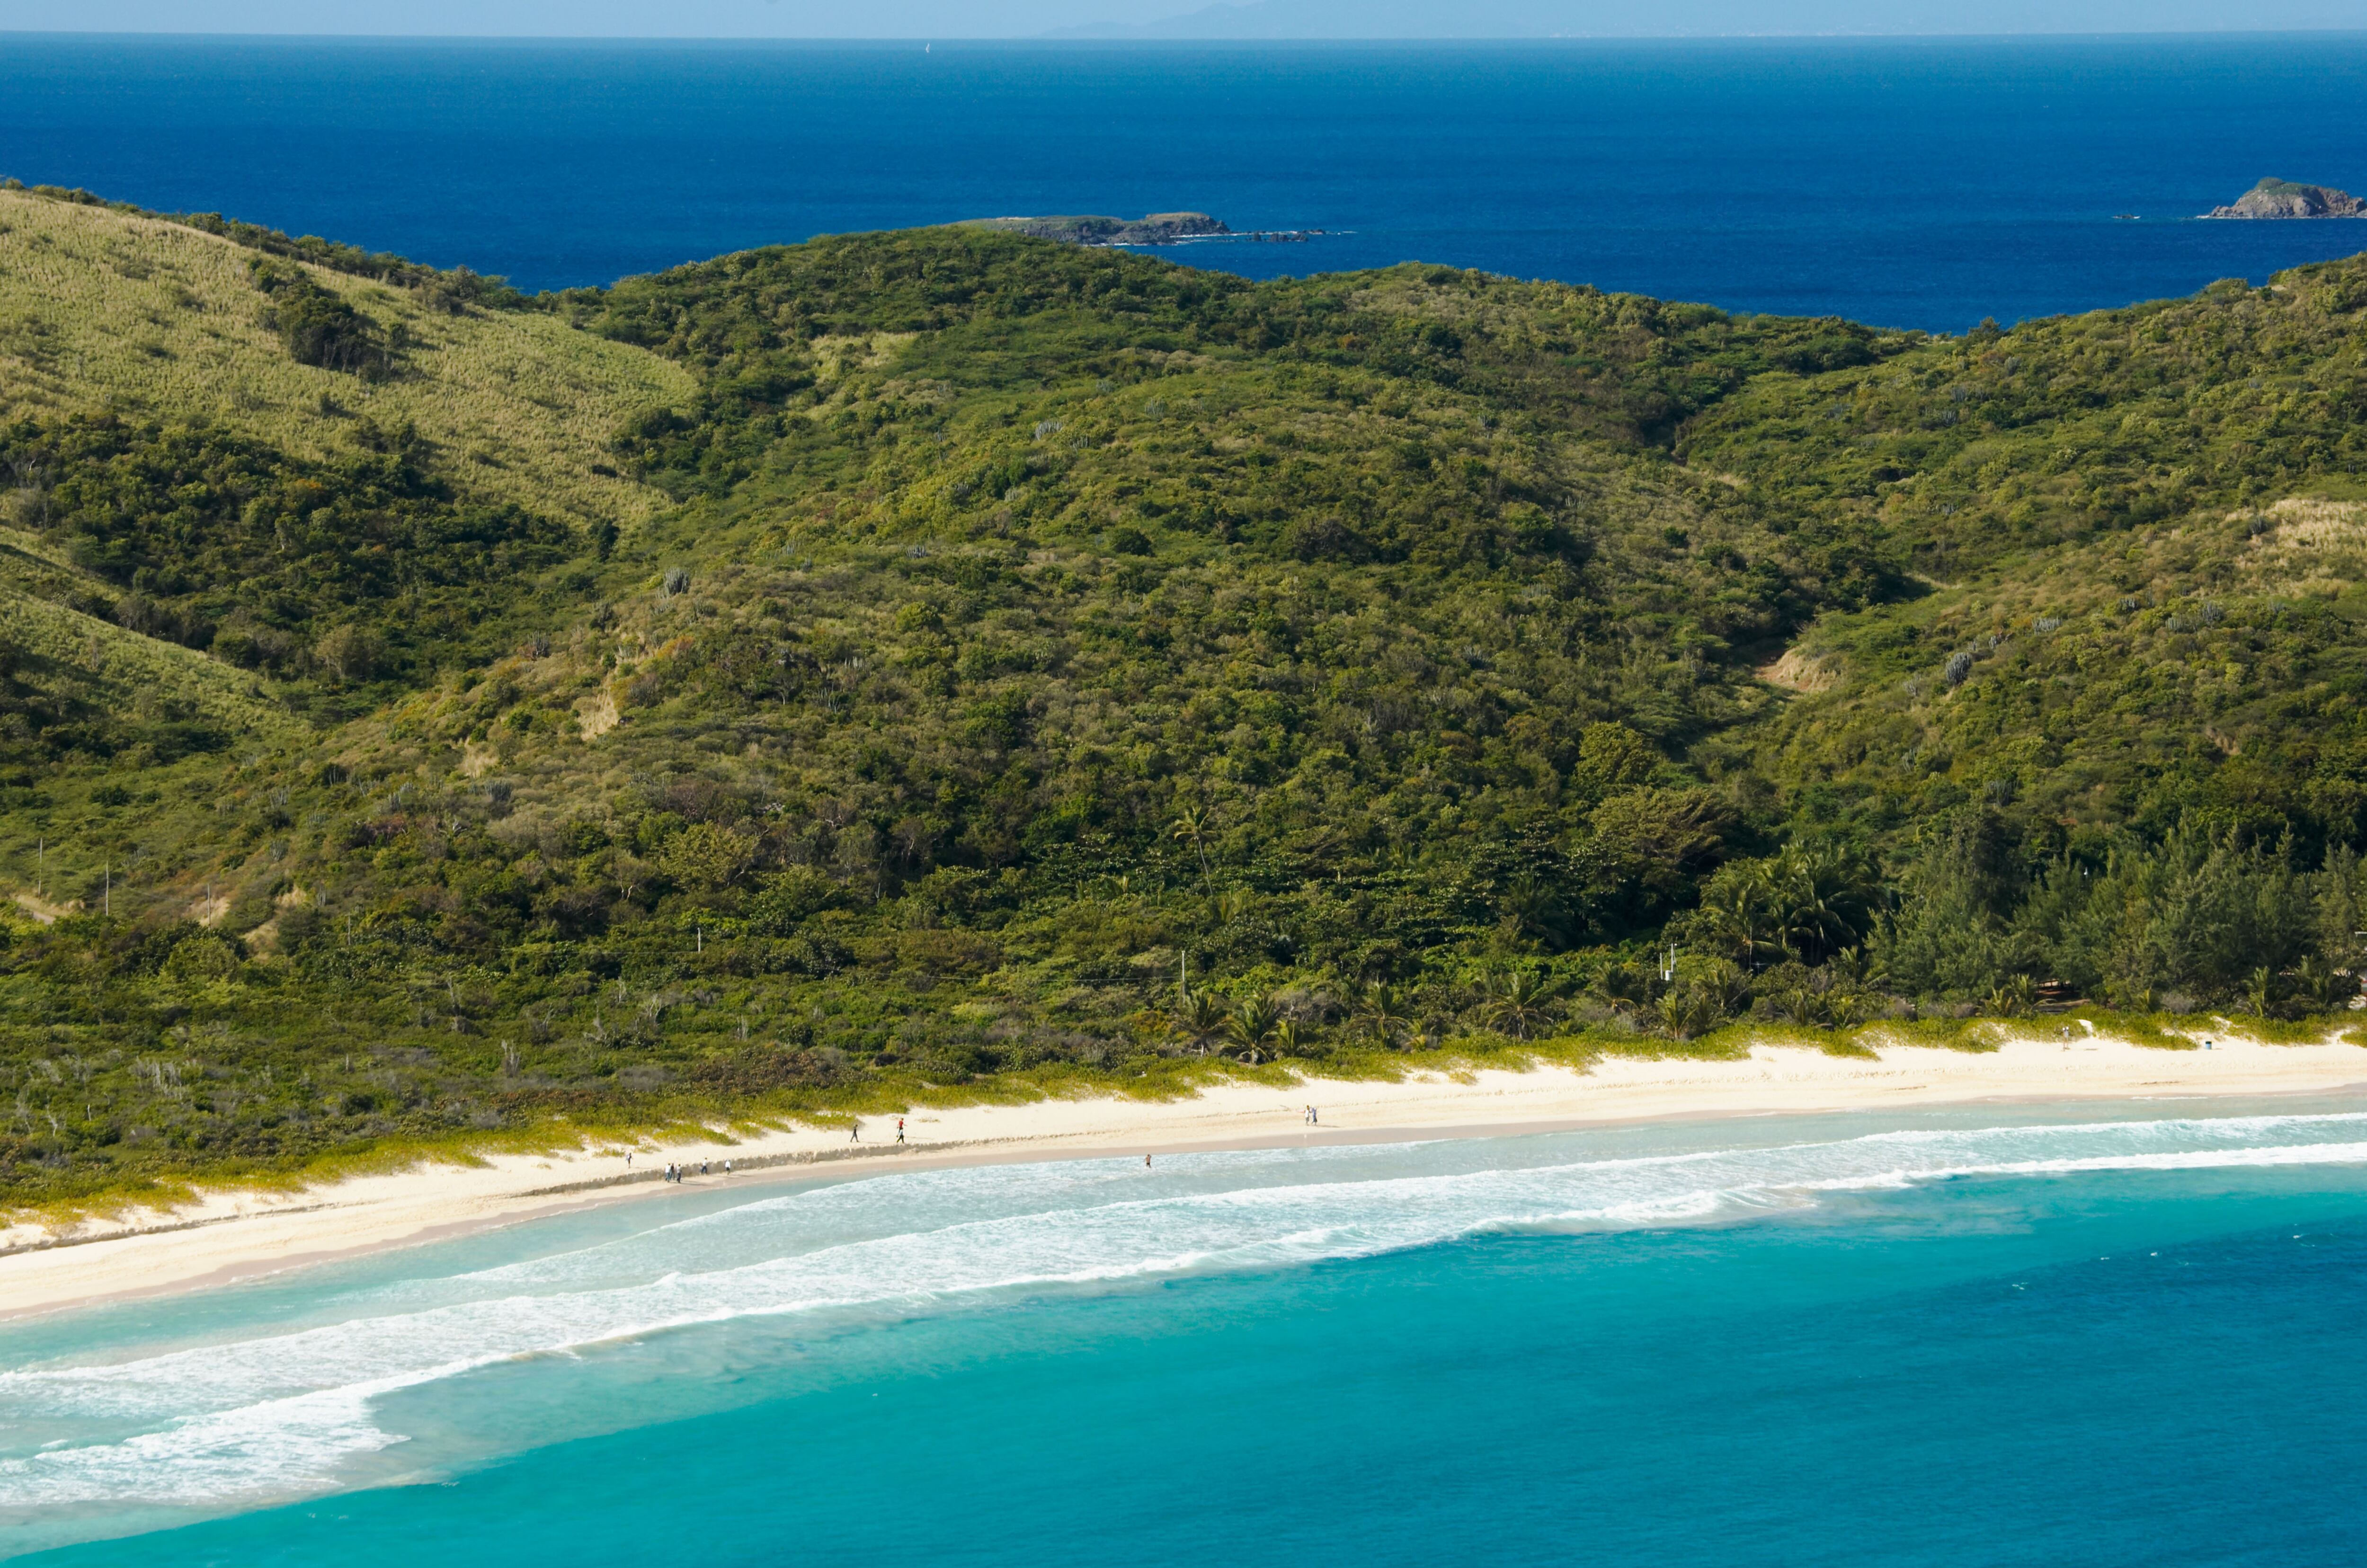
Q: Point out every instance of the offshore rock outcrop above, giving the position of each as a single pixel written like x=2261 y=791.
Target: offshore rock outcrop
x=2283 y=199
x=1155 y=229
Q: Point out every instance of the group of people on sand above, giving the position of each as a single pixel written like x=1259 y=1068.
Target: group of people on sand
x=674 y=1172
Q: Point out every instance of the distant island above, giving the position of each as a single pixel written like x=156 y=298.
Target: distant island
x=1153 y=229
x=2283 y=199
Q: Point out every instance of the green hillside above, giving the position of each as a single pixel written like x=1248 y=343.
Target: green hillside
x=948 y=662
x=102 y=308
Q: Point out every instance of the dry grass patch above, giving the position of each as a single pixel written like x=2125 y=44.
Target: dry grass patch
x=103 y=309
x=2311 y=547
x=128 y=672
x=1802 y=671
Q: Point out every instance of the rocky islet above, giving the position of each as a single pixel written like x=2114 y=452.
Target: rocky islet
x=2284 y=198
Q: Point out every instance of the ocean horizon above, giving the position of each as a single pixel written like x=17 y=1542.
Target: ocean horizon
x=1906 y=182
x=2040 y=1333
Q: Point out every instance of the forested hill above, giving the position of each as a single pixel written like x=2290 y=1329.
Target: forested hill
x=946 y=659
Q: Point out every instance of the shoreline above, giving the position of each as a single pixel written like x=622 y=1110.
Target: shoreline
x=232 y=1235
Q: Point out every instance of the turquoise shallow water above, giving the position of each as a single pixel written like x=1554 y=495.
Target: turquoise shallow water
x=2025 y=1336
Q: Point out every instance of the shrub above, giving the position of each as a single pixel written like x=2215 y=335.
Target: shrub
x=320 y=328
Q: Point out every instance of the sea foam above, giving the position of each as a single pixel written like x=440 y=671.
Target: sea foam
x=271 y=1412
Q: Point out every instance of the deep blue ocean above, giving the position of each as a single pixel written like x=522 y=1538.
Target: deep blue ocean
x=2028 y=1335
x=1909 y=183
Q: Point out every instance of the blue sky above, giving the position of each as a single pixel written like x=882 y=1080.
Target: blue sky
x=1270 y=18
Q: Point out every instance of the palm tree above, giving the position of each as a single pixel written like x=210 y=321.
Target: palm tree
x=1531 y=906
x=1251 y=1027
x=1381 y=1014
x=2321 y=983
x=2016 y=997
x=1723 y=982
x=1199 y=1018
x=1288 y=1039
x=1859 y=968
x=1738 y=911
x=1820 y=899
x=1190 y=826
x=1685 y=1010
x=2260 y=990
x=1848 y=1004
x=1513 y=1000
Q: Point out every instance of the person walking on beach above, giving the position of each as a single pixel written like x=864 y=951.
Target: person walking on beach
x=855 y=1133
x=900 y=1128
x=726 y=1167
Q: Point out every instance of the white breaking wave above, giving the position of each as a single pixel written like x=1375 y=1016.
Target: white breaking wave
x=277 y=1413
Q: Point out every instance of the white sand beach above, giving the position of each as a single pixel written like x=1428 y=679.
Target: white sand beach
x=229 y=1234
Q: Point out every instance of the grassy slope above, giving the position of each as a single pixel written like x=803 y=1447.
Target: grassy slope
x=1030 y=621
x=105 y=309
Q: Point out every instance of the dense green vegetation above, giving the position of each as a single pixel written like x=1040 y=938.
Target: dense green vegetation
x=1059 y=666
x=353 y=572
